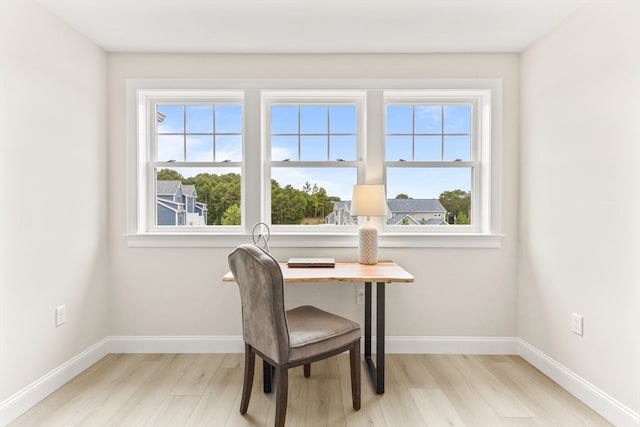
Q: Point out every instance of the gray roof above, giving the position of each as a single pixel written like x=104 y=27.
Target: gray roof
x=415 y=205
x=189 y=190
x=342 y=205
x=167 y=186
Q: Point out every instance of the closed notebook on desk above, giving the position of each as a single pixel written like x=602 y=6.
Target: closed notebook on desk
x=311 y=262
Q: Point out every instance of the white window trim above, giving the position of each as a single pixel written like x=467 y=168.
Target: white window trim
x=481 y=160
x=322 y=97
x=252 y=195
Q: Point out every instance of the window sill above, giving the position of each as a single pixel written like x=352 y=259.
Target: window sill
x=309 y=240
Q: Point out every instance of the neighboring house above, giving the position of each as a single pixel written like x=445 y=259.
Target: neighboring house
x=176 y=204
x=341 y=214
x=416 y=211
x=399 y=212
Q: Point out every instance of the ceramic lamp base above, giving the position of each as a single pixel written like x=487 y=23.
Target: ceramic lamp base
x=368 y=244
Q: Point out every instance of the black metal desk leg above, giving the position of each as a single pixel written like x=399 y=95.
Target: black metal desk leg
x=376 y=370
x=380 y=335
x=367 y=320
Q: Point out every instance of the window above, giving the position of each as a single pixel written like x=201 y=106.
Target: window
x=314 y=143
x=211 y=162
x=192 y=177
x=433 y=160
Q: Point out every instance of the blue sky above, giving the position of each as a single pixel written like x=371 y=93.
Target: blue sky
x=320 y=133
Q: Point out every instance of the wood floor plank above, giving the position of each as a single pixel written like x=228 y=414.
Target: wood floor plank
x=220 y=396
x=412 y=372
x=174 y=411
x=324 y=395
x=116 y=395
x=398 y=408
x=370 y=413
x=205 y=390
x=585 y=414
x=470 y=405
x=197 y=378
x=435 y=408
x=547 y=408
x=499 y=397
x=155 y=389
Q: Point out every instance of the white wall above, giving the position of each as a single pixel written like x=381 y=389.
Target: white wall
x=179 y=291
x=580 y=229
x=53 y=247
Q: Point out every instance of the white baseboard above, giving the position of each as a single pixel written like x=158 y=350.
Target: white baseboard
x=605 y=405
x=176 y=344
x=614 y=411
x=20 y=402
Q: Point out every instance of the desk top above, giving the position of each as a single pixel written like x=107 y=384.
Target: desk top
x=383 y=271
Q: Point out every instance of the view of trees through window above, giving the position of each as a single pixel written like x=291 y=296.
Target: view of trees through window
x=308 y=205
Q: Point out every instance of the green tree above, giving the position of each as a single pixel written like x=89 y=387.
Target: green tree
x=232 y=215
x=169 y=175
x=462 y=218
x=456 y=202
x=218 y=192
x=288 y=205
x=402 y=196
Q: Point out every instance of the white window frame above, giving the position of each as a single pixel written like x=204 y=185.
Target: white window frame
x=147 y=100
x=480 y=161
x=255 y=162
x=310 y=97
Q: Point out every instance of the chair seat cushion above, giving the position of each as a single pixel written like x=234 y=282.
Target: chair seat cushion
x=313 y=331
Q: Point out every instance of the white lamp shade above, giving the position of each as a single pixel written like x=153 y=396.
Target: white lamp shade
x=368 y=200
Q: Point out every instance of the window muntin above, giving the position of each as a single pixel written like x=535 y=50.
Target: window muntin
x=195 y=159
x=315 y=146
x=432 y=160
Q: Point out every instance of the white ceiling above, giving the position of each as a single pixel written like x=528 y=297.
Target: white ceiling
x=307 y=26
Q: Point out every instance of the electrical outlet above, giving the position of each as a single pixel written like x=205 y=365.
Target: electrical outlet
x=359 y=296
x=61 y=315
x=576 y=324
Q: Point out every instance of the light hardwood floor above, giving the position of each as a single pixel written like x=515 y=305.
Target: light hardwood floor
x=205 y=389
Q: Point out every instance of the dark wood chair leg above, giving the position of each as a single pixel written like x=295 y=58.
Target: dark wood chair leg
x=249 y=369
x=282 y=390
x=354 y=357
x=307 y=370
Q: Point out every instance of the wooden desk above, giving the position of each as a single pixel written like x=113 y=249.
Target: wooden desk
x=383 y=272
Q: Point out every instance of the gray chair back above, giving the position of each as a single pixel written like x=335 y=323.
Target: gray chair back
x=264 y=322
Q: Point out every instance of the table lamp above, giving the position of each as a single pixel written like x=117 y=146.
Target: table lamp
x=368 y=200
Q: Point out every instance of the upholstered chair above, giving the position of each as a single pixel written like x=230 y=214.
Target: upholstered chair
x=285 y=339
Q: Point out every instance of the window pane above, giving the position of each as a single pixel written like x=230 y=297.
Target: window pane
x=343 y=119
x=199 y=118
x=197 y=196
x=457 y=148
x=313 y=148
x=450 y=187
x=284 y=148
x=170 y=119
x=399 y=148
x=308 y=195
x=457 y=119
x=313 y=119
x=428 y=119
x=228 y=148
x=342 y=148
x=284 y=119
x=170 y=148
x=399 y=119
x=199 y=148
x=229 y=119
x=428 y=148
